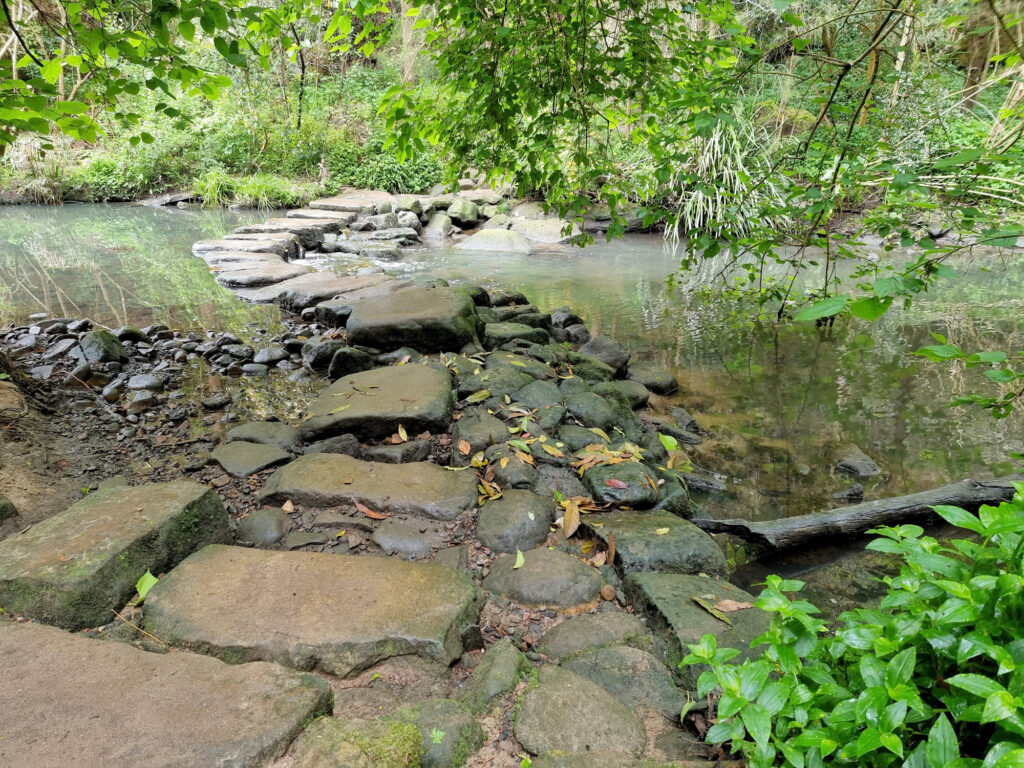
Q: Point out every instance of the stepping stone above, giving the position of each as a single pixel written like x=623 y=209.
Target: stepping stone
x=333 y=479
x=658 y=541
x=242 y=459
x=668 y=601
x=373 y=404
x=634 y=677
x=276 y=433
x=607 y=350
x=309 y=232
x=343 y=217
x=235 y=258
x=426 y=319
x=461 y=735
x=410 y=538
x=568 y=713
x=73 y=700
x=73 y=568
x=308 y=610
x=516 y=520
x=498 y=673
x=258 y=275
x=629 y=484
x=494 y=240
x=333 y=743
x=244 y=244
x=101 y=346
x=364 y=201
x=547 y=577
x=496 y=334
x=594 y=630
x=593 y=760
x=310 y=289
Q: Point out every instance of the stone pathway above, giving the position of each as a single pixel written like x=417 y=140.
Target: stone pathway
x=414 y=515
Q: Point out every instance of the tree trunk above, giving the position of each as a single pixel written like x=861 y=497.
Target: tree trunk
x=857 y=519
x=410 y=44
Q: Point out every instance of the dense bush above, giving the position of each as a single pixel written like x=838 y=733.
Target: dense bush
x=929 y=679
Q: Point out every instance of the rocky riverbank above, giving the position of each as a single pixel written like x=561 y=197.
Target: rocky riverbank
x=424 y=525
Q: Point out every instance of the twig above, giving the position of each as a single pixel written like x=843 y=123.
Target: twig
x=140 y=629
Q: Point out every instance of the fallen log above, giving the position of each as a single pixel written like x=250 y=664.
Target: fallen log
x=856 y=519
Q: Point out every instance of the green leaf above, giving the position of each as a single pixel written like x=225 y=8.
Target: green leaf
x=670 y=443
x=961 y=518
x=1012 y=759
x=520 y=560
x=892 y=742
x=829 y=307
x=757 y=723
x=938 y=353
x=870 y=308
x=979 y=685
x=479 y=397
x=942 y=747
x=901 y=667
x=999 y=706
x=145 y=583
x=1000 y=375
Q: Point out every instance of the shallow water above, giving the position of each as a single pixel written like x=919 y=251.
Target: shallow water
x=776 y=398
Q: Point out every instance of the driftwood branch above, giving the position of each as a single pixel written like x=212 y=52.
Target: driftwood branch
x=856 y=519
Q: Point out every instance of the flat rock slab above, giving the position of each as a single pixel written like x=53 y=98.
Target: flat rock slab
x=282 y=248
x=240 y=259
x=372 y=404
x=594 y=630
x=668 y=601
x=568 y=713
x=363 y=201
x=332 y=479
x=496 y=241
x=241 y=459
x=260 y=274
x=426 y=319
x=310 y=232
x=308 y=290
x=658 y=541
x=73 y=568
x=268 y=433
x=308 y=610
x=70 y=700
x=344 y=217
x=547 y=577
x=634 y=677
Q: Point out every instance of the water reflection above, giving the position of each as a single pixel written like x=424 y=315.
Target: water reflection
x=117 y=265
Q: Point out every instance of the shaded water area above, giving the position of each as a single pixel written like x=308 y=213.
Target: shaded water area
x=776 y=400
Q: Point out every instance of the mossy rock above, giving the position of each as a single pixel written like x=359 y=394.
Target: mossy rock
x=332 y=743
x=449 y=733
x=498 y=673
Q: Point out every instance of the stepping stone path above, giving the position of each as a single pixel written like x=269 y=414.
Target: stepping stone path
x=75 y=567
x=307 y=610
x=591 y=631
x=546 y=577
x=70 y=700
x=427 y=319
x=241 y=459
x=327 y=480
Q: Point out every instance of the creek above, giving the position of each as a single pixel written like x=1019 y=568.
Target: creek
x=775 y=399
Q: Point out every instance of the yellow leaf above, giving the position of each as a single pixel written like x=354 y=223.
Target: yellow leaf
x=587 y=548
x=520 y=561
x=552 y=450
x=503 y=462
x=601 y=433
x=661 y=531
x=402 y=433
x=340 y=533
x=524 y=457
x=571 y=518
x=479 y=397
x=340 y=408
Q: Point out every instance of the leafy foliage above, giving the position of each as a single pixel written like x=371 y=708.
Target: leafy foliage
x=928 y=679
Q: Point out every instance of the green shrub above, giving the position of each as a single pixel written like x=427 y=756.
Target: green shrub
x=371 y=166
x=929 y=679
x=264 y=190
x=215 y=187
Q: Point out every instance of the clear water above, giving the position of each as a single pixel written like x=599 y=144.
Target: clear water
x=775 y=399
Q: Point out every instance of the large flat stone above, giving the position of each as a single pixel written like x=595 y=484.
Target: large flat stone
x=568 y=713
x=242 y=458
x=426 y=319
x=668 y=601
x=70 y=700
x=361 y=201
x=374 y=403
x=282 y=248
x=240 y=259
x=547 y=577
x=658 y=541
x=496 y=241
x=308 y=290
x=73 y=568
x=258 y=274
x=332 y=479
x=310 y=232
x=287 y=238
x=337 y=613
x=344 y=217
